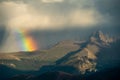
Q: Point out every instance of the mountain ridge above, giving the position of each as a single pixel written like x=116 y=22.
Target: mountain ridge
x=85 y=58
x=78 y=57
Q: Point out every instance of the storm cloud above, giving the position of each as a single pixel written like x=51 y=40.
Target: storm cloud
x=49 y=14
x=51 y=21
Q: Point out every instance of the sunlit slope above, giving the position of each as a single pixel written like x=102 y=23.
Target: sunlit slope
x=95 y=54
x=34 y=60
x=83 y=59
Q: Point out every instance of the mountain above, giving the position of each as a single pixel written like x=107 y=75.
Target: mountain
x=34 y=60
x=87 y=57
x=73 y=57
x=8 y=72
x=99 y=38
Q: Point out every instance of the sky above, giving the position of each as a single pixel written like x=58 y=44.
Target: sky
x=54 y=16
x=49 y=14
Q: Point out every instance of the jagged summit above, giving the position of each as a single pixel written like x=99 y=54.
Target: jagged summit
x=100 y=37
x=85 y=58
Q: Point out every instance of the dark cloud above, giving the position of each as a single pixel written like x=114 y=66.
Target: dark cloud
x=44 y=15
x=3 y=33
x=59 y=17
x=110 y=8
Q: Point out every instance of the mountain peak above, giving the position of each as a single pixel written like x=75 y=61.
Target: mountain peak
x=100 y=37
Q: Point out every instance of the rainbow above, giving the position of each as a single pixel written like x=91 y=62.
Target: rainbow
x=26 y=42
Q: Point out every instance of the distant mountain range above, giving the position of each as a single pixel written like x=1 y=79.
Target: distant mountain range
x=99 y=52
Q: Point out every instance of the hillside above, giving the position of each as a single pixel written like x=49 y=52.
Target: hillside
x=97 y=53
x=34 y=60
x=94 y=54
x=107 y=74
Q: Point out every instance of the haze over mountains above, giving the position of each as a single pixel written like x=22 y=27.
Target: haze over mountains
x=97 y=53
x=47 y=38
x=59 y=39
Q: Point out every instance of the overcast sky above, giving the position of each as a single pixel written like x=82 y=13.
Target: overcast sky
x=51 y=14
x=55 y=15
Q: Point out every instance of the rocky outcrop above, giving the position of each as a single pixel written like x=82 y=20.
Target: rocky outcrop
x=101 y=39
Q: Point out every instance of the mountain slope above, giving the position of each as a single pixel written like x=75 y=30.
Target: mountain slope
x=75 y=57
x=45 y=76
x=34 y=60
x=86 y=58
x=106 y=74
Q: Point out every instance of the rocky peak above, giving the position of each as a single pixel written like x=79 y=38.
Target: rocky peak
x=98 y=36
x=101 y=38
